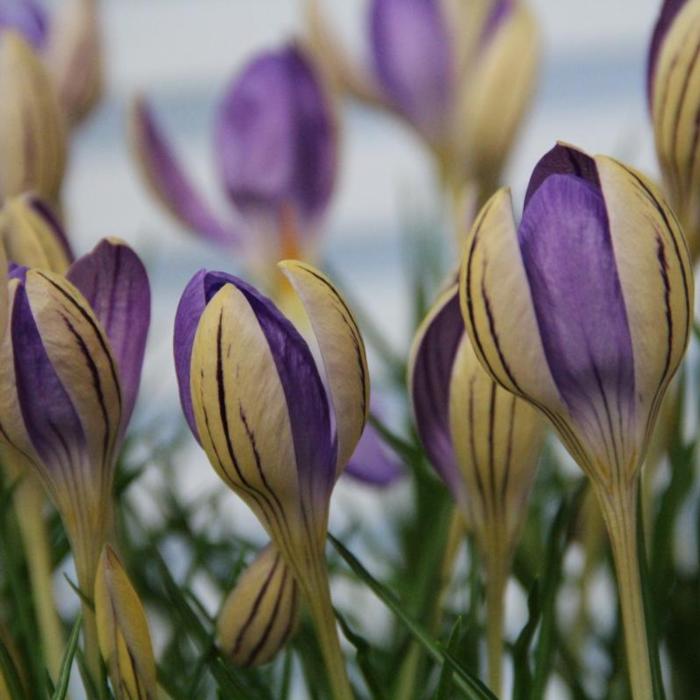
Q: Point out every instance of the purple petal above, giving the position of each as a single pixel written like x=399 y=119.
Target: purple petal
x=26 y=17
x=372 y=462
x=198 y=292
x=412 y=59
x=562 y=160
x=668 y=13
x=49 y=416
x=114 y=281
x=570 y=264
x=499 y=12
x=49 y=216
x=432 y=372
x=275 y=138
x=169 y=181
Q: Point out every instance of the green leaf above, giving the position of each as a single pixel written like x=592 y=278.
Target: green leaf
x=469 y=685
x=522 y=681
x=67 y=662
x=444 y=689
x=10 y=674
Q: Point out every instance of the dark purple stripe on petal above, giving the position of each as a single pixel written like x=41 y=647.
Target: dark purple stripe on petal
x=114 y=281
x=372 y=462
x=275 y=137
x=562 y=160
x=432 y=372
x=412 y=59
x=49 y=216
x=570 y=264
x=50 y=418
x=668 y=13
x=26 y=17
x=170 y=181
x=499 y=12
x=17 y=272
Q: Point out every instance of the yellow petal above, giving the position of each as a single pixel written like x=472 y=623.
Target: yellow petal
x=342 y=350
x=32 y=138
x=497 y=439
x=489 y=116
x=656 y=278
x=80 y=354
x=675 y=105
x=30 y=235
x=241 y=411
x=122 y=632
x=261 y=612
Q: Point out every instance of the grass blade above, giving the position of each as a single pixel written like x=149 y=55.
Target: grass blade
x=64 y=675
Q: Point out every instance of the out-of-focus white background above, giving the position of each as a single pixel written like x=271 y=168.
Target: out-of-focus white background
x=181 y=53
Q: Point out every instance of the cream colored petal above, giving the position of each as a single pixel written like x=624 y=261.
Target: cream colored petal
x=32 y=132
x=241 y=411
x=79 y=352
x=489 y=113
x=342 y=350
x=31 y=237
x=261 y=612
x=655 y=274
x=122 y=632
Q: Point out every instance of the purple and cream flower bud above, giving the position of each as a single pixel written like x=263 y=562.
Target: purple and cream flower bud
x=261 y=613
x=483 y=442
x=276 y=432
x=32 y=131
x=71 y=365
x=27 y=18
x=584 y=310
x=32 y=236
x=674 y=101
x=276 y=154
x=122 y=632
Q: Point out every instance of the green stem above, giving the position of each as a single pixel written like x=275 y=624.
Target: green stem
x=318 y=599
x=496 y=580
x=29 y=503
x=619 y=508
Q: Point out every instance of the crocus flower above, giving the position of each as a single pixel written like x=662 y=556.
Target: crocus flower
x=261 y=612
x=584 y=309
x=254 y=398
x=122 y=632
x=69 y=42
x=32 y=131
x=441 y=67
x=672 y=71
x=483 y=442
x=275 y=148
x=70 y=370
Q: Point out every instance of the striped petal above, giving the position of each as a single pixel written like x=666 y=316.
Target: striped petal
x=669 y=10
x=32 y=235
x=114 y=281
x=32 y=133
x=28 y=18
x=122 y=632
x=429 y=374
x=675 y=109
x=497 y=440
x=262 y=414
x=261 y=613
x=168 y=181
x=342 y=350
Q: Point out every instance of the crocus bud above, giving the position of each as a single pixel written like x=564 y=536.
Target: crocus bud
x=69 y=372
x=671 y=75
x=122 y=632
x=261 y=612
x=32 y=134
x=584 y=310
x=276 y=154
x=74 y=58
x=483 y=442
x=27 y=18
x=279 y=437
x=32 y=235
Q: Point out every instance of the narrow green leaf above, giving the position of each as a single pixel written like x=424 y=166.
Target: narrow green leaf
x=445 y=685
x=10 y=674
x=64 y=674
x=522 y=681
x=470 y=686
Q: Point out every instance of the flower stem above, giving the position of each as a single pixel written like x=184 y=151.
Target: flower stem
x=315 y=586
x=496 y=579
x=619 y=508
x=29 y=503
